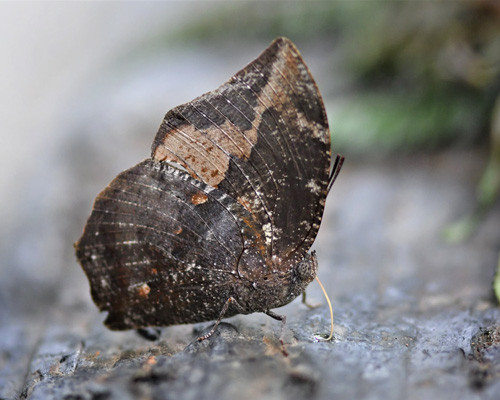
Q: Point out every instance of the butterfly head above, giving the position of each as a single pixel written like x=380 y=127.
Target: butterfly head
x=305 y=271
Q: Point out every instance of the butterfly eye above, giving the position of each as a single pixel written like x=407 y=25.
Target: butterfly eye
x=306 y=269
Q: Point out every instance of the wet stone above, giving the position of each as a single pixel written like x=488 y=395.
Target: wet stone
x=401 y=328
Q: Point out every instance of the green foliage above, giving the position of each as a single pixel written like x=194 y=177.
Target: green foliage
x=496 y=282
x=263 y=20
x=390 y=121
x=489 y=187
x=419 y=74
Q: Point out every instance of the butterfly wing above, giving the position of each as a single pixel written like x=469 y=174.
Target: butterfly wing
x=263 y=139
x=161 y=248
x=165 y=247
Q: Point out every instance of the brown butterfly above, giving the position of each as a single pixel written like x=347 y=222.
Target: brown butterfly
x=219 y=221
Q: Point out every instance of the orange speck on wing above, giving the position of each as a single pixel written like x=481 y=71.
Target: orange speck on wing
x=144 y=290
x=199 y=198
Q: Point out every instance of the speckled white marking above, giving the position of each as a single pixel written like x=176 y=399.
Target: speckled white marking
x=267 y=228
x=315 y=188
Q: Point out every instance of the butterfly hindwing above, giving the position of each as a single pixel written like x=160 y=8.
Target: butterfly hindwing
x=158 y=244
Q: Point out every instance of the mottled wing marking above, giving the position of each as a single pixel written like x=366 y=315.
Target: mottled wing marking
x=212 y=124
x=262 y=138
x=187 y=146
x=310 y=148
x=153 y=228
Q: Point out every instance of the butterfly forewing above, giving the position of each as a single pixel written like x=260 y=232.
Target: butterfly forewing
x=263 y=139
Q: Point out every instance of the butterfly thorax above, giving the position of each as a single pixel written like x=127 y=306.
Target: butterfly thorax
x=277 y=286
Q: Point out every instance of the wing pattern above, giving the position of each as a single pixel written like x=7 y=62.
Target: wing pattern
x=158 y=244
x=263 y=139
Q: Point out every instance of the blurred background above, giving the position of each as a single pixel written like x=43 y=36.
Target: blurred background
x=84 y=87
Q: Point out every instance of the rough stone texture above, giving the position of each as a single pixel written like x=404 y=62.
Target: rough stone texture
x=414 y=316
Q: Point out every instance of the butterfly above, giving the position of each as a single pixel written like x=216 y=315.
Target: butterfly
x=220 y=219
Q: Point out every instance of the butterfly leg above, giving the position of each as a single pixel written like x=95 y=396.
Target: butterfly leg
x=281 y=318
x=229 y=301
x=149 y=333
x=304 y=301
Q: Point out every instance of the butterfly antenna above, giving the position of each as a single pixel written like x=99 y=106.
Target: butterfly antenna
x=331 y=310
x=337 y=166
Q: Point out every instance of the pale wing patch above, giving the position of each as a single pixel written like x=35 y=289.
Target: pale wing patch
x=313 y=186
x=205 y=153
x=193 y=150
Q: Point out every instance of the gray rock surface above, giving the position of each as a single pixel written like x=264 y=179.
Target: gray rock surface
x=414 y=316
